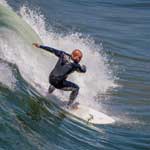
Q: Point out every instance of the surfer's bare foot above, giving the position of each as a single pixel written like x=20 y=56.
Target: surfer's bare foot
x=51 y=89
x=73 y=106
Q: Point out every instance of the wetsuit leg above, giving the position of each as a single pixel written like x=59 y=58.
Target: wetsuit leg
x=69 y=86
x=51 y=89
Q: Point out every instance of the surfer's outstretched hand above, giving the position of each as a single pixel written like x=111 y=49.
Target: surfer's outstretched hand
x=36 y=45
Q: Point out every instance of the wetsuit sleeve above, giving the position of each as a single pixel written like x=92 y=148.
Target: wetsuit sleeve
x=58 y=53
x=81 y=69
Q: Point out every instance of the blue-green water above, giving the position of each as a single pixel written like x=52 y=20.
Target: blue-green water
x=117 y=81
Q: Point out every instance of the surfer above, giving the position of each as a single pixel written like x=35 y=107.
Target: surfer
x=66 y=64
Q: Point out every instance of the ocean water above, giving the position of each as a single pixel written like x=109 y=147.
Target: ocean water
x=114 y=37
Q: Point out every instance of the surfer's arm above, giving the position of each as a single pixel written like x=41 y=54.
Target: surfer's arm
x=81 y=69
x=58 y=53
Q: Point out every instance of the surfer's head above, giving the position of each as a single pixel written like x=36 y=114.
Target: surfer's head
x=76 y=55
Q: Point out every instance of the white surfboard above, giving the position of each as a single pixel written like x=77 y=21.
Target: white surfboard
x=85 y=113
x=90 y=115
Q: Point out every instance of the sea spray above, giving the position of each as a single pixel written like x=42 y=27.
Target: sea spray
x=97 y=79
x=36 y=64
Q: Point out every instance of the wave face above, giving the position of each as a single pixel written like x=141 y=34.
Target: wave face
x=114 y=39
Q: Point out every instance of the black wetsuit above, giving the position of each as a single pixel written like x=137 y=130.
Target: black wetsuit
x=59 y=74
